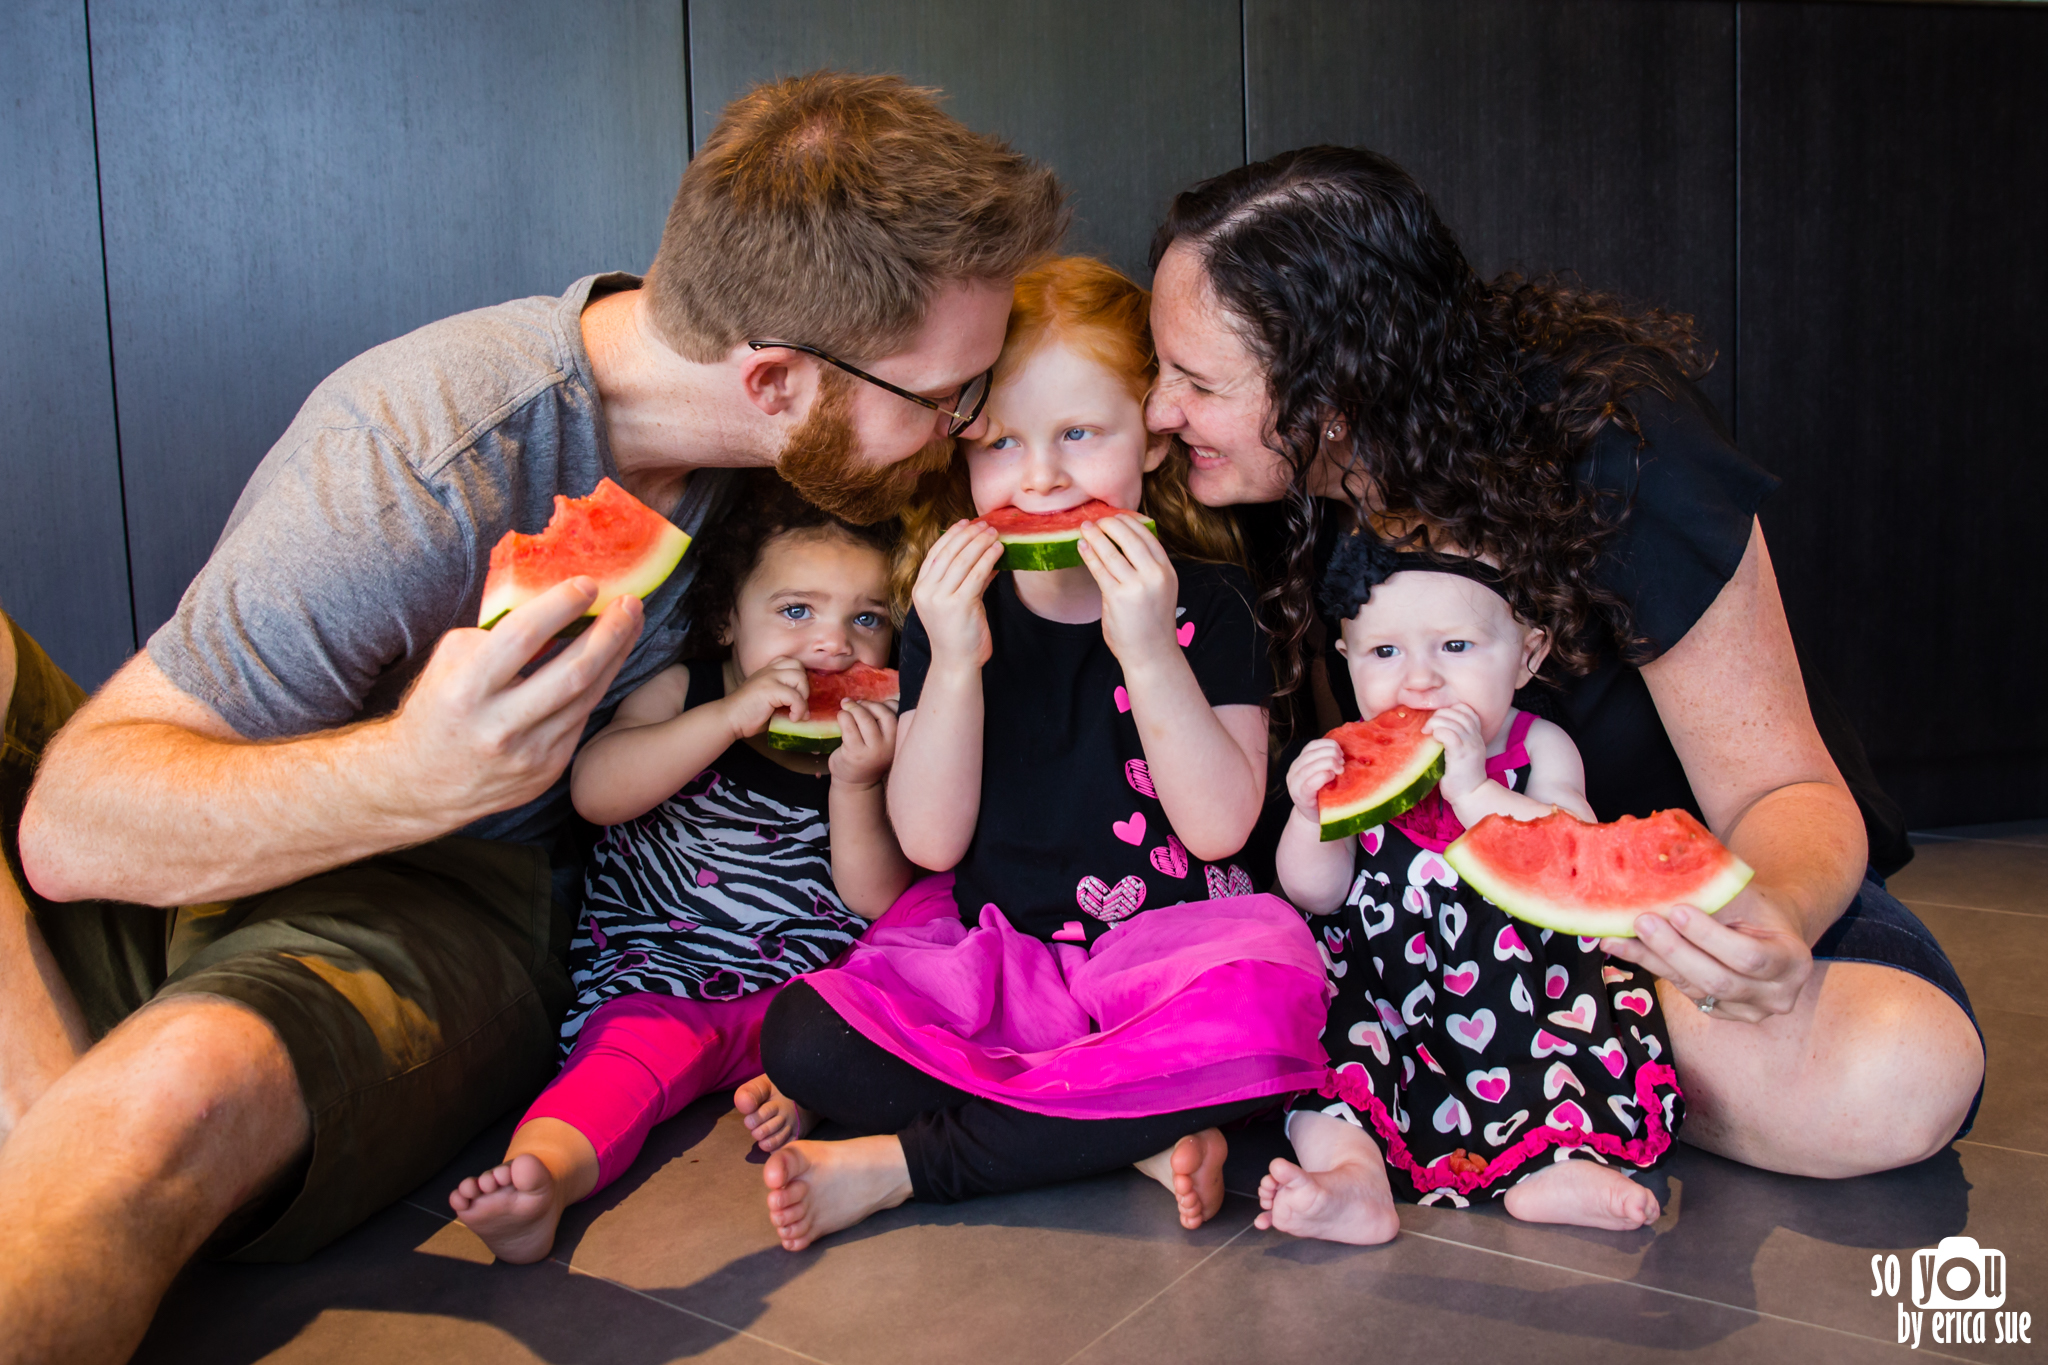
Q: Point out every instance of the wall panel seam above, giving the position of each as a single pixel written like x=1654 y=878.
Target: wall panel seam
x=99 y=207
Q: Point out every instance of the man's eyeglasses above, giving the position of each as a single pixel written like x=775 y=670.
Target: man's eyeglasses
x=964 y=409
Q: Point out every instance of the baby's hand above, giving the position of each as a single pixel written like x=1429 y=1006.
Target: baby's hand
x=1321 y=760
x=1457 y=728
x=867 y=743
x=956 y=572
x=776 y=685
x=1140 y=590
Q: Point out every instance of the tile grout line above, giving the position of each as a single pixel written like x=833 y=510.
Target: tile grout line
x=1659 y=1289
x=1980 y=839
x=2021 y=1151
x=1109 y=1330
x=1910 y=902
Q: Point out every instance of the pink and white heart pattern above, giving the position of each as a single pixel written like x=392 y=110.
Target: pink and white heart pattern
x=1415 y=901
x=1371 y=839
x=1635 y=1002
x=1611 y=1056
x=1555 y=981
x=1373 y=928
x=1569 y=1116
x=1427 y=1059
x=1545 y=1042
x=1508 y=943
x=1451 y=1115
x=1450 y=922
x=1580 y=1016
x=1498 y=1134
x=1557 y=1078
x=1139 y=774
x=1171 y=857
x=1131 y=831
x=1621 y=1104
x=1612 y=975
x=1110 y=903
x=1491 y=1086
x=1390 y=1018
x=1475 y=1031
x=1359 y=1075
x=1369 y=1035
x=1412 y=1008
x=1427 y=868
x=1223 y=885
x=1417 y=950
x=1460 y=980
x=1519 y=997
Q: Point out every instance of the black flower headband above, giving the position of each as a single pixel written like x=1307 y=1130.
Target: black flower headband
x=1363 y=561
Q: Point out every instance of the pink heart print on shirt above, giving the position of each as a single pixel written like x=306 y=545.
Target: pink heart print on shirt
x=1546 y=1042
x=1131 y=831
x=1554 y=982
x=1371 y=839
x=1580 y=1016
x=1636 y=1002
x=1415 y=900
x=1620 y=1104
x=1491 y=1086
x=1499 y=1133
x=1610 y=975
x=1507 y=943
x=1611 y=1056
x=1071 y=932
x=1110 y=903
x=1186 y=634
x=1140 y=777
x=1226 y=885
x=1123 y=699
x=1557 y=1078
x=1460 y=980
x=1390 y=1018
x=1171 y=858
x=705 y=877
x=1519 y=997
x=1451 y=1114
x=1450 y=922
x=1428 y=1060
x=1374 y=1037
x=1569 y=1116
x=1427 y=867
x=1474 y=1032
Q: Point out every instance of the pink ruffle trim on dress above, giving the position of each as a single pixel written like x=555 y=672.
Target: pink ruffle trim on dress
x=1179 y=1007
x=1640 y=1153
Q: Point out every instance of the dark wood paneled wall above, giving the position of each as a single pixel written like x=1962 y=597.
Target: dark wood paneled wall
x=1850 y=198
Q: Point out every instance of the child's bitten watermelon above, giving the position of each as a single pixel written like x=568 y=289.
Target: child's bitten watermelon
x=818 y=732
x=1593 y=880
x=1389 y=765
x=610 y=536
x=1049 y=540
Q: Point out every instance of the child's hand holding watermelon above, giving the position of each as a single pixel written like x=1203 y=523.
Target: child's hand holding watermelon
x=1140 y=590
x=950 y=583
x=777 y=686
x=867 y=744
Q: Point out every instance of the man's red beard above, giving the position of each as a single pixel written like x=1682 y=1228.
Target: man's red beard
x=822 y=462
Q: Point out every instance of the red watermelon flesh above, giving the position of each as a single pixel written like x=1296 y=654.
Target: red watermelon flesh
x=1389 y=765
x=1594 y=880
x=1049 y=540
x=610 y=536
x=1016 y=521
x=818 y=732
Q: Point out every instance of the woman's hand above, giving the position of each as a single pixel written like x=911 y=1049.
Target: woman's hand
x=1749 y=959
x=1457 y=728
x=777 y=685
x=1318 y=764
x=867 y=743
x=956 y=572
x=1140 y=590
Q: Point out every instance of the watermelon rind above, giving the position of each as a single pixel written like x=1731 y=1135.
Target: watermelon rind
x=803 y=736
x=1401 y=793
x=665 y=550
x=1050 y=549
x=1467 y=858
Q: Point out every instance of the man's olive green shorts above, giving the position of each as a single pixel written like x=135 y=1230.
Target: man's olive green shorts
x=417 y=992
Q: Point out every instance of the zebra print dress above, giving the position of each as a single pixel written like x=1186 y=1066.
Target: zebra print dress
x=721 y=890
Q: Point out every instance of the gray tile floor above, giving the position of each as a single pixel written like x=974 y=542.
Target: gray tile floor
x=676 y=1262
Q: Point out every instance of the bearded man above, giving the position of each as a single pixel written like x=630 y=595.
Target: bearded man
x=370 y=795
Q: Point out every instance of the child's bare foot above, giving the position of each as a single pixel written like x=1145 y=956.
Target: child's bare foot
x=1584 y=1194
x=513 y=1207
x=817 y=1188
x=772 y=1117
x=1192 y=1171
x=1350 y=1202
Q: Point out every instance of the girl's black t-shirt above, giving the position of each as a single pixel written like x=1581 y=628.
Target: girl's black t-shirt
x=1071 y=837
x=1688 y=498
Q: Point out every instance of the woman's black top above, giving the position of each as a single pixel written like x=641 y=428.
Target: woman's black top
x=1688 y=499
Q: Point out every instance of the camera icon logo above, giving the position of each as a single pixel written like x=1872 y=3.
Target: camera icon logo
x=1957 y=1273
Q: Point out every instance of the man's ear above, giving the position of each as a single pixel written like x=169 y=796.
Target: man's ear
x=1535 y=649
x=775 y=381
x=1157 y=444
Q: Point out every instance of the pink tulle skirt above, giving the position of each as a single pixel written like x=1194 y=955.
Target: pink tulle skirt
x=1175 y=1008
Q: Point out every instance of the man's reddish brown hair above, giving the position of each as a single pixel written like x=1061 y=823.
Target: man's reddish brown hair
x=828 y=209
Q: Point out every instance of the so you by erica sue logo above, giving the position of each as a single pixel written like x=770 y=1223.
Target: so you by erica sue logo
x=1958 y=1296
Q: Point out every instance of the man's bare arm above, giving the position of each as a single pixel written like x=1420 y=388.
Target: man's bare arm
x=148 y=796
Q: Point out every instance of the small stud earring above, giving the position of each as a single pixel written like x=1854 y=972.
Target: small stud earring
x=1333 y=433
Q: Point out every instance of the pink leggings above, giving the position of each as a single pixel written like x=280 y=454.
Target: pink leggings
x=641 y=1059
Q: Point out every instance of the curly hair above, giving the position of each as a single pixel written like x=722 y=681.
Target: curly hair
x=1466 y=402
x=759 y=509
x=1102 y=313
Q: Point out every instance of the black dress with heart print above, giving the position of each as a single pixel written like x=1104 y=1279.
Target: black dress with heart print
x=1477 y=1049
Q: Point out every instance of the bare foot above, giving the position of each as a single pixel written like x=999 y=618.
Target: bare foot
x=817 y=1188
x=772 y=1117
x=513 y=1207
x=1192 y=1171
x=1584 y=1194
x=1350 y=1202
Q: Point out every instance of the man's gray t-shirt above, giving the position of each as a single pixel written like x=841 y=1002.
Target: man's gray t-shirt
x=367 y=530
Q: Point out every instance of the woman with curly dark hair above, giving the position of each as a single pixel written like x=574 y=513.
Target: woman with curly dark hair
x=1324 y=344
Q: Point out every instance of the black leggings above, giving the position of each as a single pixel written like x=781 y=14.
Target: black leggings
x=956 y=1145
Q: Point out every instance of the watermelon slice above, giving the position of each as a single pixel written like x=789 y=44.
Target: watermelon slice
x=1593 y=880
x=818 y=732
x=1389 y=765
x=1049 y=540
x=610 y=536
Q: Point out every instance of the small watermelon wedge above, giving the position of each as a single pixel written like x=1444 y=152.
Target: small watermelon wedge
x=1049 y=540
x=1593 y=880
x=610 y=536
x=1389 y=765
x=818 y=732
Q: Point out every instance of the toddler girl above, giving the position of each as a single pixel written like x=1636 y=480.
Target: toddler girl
x=1472 y=1053
x=1084 y=749
x=729 y=867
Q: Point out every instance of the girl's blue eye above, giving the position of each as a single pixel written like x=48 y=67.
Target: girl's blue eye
x=1074 y=434
x=795 y=611
x=869 y=620
x=1002 y=443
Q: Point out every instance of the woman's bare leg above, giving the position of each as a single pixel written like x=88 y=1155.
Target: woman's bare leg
x=1874 y=1068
